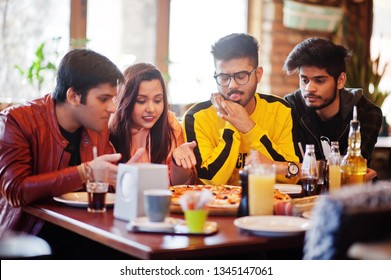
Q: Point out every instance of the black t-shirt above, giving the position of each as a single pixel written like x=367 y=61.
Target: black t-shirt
x=329 y=127
x=74 y=145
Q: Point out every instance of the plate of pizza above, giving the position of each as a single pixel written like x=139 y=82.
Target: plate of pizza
x=226 y=198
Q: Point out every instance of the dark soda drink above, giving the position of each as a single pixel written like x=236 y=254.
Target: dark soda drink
x=310 y=186
x=96 y=202
x=96 y=192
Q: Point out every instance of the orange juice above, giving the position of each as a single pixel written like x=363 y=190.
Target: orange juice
x=261 y=191
x=334 y=177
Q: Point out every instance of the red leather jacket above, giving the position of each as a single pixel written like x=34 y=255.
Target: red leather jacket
x=33 y=161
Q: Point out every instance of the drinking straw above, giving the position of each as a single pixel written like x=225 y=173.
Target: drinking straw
x=94 y=152
x=301 y=149
x=95 y=155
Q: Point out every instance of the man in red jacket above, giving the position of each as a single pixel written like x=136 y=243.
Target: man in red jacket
x=46 y=145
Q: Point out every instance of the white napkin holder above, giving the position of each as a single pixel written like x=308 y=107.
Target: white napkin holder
x=132 y=181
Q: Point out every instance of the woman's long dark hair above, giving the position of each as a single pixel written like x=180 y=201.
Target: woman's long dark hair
x=121 y=122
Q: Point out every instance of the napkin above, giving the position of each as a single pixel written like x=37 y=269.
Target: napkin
x=195 y=200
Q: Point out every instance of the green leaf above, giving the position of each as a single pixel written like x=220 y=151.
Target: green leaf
x=362 y=73
x=33 y=74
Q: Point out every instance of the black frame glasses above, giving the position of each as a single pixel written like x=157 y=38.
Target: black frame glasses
x=241 y=78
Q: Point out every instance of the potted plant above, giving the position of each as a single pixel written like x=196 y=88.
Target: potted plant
x=34 y=74
x=366 y=74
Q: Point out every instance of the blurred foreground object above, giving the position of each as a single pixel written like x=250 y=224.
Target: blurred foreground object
x=346 y=217
x=15 y=245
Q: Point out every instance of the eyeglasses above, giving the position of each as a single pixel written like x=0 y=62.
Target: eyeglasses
x=241 y=78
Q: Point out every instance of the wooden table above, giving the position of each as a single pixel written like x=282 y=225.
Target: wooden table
x=103 y=228
x=380 y=250
x=381 y=157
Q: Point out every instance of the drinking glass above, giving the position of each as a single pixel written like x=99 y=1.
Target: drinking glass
x=96 y=192
x=261 y=181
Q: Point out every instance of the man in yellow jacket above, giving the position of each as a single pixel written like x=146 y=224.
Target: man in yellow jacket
x=237 y=119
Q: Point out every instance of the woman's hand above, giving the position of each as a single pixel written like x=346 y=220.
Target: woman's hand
x=184 y=155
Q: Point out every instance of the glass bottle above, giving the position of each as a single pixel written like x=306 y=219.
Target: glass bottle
x=309 y=172
x=353 y=165
x=323 y=182
x=334 y=167
x=243 y=209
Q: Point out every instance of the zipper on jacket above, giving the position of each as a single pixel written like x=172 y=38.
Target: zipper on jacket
x=317 y=141
x=343 y=132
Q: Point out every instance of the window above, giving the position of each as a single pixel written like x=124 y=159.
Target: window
x=24 y=27
x=381 y=39
x=194 y=27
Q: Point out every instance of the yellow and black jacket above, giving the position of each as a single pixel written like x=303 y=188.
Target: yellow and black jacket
x=221 y=149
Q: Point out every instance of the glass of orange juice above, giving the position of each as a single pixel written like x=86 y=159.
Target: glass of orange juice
x=261 y=180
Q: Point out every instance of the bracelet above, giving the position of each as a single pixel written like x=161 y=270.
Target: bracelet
x=88 y=170
x=83 y=172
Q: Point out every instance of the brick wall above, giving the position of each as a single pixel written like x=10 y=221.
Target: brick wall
x=276 y=42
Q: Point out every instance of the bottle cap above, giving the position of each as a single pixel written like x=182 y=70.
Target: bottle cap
x=355 y=123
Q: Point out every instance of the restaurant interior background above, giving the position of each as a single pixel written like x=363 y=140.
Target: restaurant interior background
x=176 y=35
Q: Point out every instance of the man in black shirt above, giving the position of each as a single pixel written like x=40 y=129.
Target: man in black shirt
x=322 y=107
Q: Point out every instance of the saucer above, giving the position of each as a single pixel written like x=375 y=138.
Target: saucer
x=170 y=226
x=144 y=224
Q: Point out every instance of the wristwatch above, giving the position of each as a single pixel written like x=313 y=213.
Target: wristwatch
x=292 y=170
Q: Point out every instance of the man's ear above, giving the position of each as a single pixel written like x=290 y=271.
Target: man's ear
x=73 y=97
x=341 y=80
x=259 y=73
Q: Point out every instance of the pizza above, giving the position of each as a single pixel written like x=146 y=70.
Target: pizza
x=223 y=195
x=280 y=196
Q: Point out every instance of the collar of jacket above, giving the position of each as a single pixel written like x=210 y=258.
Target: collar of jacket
x=51 y=116
x=349 y=97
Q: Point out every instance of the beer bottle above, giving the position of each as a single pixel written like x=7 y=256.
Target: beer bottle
x=243 y=209
x=309 y=172
x=353 y=165
x=334 y=167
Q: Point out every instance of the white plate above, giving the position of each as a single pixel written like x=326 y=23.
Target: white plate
x=288 y=188
x=307 y=214
x=80 y=199
x=143 y=224
x=272 y=225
